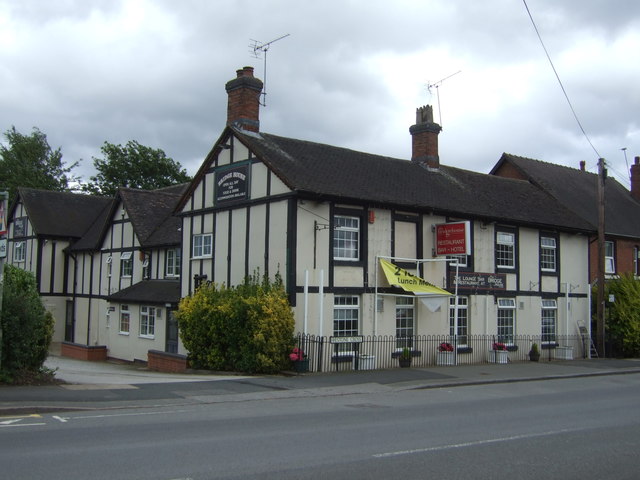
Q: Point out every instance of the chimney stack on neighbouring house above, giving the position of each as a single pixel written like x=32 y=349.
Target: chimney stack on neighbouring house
x=243 y=107
x=424 y=138
x=583 y=165
x=635 y=179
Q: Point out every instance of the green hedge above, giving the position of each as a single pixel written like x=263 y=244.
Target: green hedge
x=247 y=328
x=27 y=328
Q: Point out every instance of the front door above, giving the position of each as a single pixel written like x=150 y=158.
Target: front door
x=172 y=332
x=69 y=323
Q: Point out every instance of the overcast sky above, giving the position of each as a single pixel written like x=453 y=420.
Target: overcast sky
x=350 y=73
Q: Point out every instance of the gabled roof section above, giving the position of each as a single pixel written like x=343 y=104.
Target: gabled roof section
x=206 y=165
x=325 y=171
x=151 y=214
x=60 y=214
x=149 y=291
x=578 y=191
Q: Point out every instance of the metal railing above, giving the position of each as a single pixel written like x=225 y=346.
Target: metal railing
x=327 y=354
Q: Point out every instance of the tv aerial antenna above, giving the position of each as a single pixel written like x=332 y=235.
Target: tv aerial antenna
x=436 y=85
x=258 y=48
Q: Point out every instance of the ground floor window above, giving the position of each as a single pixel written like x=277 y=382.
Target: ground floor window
x=147 y=321
x=125 y=319
x=346 y=314
x=549 y=321
x=463 y=319
x=506 y=320
x=405 y=321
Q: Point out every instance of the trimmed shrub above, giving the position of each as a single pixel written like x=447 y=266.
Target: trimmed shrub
x=246 y=328
x=27 y=328
x=623 y=315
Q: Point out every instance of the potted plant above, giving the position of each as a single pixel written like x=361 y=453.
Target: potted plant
x=445 y=355
x=300 y=360
x=534 y=353
x=405 y=358
x=498 y=353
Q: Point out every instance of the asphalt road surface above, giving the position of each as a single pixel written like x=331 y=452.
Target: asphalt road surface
x=587 y=428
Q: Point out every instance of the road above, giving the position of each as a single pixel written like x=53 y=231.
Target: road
x=572 y=428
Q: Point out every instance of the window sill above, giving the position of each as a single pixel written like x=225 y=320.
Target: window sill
x=147 y=337
x=124 y=334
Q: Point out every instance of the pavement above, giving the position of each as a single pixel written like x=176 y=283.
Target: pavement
x=117 y=385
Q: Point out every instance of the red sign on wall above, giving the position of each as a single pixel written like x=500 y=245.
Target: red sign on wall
x=453 y=238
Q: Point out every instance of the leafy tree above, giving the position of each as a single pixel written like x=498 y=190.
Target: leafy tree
x=135 y=166
x=29 y=161
x=27 y=327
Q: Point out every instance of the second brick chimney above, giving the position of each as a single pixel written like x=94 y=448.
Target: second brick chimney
x=635 y=179
x=243 y=107
x=424 y=135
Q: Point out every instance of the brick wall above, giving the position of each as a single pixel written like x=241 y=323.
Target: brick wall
x=93 y=353
x=166 y=362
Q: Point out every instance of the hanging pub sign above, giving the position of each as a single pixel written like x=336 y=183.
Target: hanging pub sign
x=232 y=184
x=453 y=238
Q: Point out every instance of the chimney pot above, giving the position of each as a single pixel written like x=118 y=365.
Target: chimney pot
x=635 y=179
x=583 y=165
x=243 y=100
x=424 y=138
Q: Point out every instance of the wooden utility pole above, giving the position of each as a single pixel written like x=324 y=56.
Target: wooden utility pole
x=600 y=326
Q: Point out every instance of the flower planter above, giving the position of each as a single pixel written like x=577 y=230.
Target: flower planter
x=498 y=356
x=404 y=362
x=564 y=353
x=445 y=358
x=301 y=366
x=364 y=362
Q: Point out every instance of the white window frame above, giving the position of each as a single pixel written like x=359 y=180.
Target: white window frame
x=505 y=249
x=463 y=319
x=126 y=264
x=506 y=320
x=346 y=309
x=20 y=251
x=124 y=312
x=405 y=322
x=548 y=254
x=549 y=311
x=346 y=238
x=609 y=258
x=147 y=322
x=172 y=264
x=200 y=247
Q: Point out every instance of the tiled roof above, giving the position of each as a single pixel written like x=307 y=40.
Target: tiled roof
x=61 y=214
x=151 y=213
x=578 y=191
x=149 y=291
x=325 y=171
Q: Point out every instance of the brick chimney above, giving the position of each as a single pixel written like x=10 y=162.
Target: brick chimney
x=635 y=179
x=583 y=165
x=243 y=107
x=425 y=138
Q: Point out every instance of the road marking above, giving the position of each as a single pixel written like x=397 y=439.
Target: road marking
x=134 y=414
x=467 y=444
x=9 y=422
x=61 y=419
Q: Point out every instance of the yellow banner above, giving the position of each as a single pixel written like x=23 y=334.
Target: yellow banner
x=409 y=282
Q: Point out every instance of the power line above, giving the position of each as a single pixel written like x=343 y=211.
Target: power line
x=575 y=115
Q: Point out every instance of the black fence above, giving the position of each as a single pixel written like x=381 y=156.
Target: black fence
x=326 y=354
